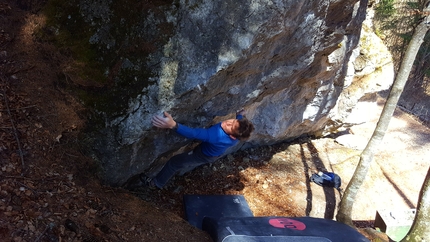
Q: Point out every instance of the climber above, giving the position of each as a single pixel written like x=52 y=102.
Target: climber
x=215 y=141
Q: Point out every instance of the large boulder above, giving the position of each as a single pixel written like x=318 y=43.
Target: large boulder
x=284 y=61
x=370 y=70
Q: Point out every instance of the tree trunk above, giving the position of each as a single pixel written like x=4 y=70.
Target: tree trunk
x=420 y=230
x=366 y=157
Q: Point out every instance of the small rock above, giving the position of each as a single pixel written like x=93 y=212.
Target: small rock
x=70 y=225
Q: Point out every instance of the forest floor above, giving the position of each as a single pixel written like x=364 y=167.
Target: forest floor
x=49 y=190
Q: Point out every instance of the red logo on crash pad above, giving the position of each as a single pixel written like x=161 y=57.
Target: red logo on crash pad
x=287 y=223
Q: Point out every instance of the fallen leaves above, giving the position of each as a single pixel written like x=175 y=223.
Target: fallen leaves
x=48 y=188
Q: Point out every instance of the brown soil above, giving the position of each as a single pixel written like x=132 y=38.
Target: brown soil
x=48 y=191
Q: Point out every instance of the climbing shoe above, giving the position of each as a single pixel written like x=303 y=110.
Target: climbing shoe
x=138 y=181
x=148 y=182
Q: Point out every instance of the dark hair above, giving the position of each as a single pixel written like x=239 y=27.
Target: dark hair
x=245 y=129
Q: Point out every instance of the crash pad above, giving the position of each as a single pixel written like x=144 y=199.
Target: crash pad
x=276 y=229
x=215 y=206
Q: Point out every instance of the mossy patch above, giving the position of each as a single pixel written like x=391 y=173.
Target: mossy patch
x=68 y=31
x=109 y=43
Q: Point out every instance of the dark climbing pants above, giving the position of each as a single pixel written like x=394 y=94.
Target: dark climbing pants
x=182 y=163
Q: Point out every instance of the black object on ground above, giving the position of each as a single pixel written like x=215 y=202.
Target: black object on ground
x=228 y=218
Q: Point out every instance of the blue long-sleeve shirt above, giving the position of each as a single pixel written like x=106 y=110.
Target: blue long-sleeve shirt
x=215 y=140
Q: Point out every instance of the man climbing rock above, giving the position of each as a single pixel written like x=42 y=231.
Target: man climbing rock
x=215 y=141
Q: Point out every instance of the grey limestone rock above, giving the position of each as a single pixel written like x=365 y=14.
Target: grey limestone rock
x=284 y=61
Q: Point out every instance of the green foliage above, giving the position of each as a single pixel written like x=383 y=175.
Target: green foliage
x=386 y=8
x=422 y=59
x=406 y=37
x=379 y=33
x=414 y=5
x=395 y=20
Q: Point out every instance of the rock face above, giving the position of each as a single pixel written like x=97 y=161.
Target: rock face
x=370 y=70
x=284 y=61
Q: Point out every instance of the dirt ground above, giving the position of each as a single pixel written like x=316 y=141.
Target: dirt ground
x=48 y=191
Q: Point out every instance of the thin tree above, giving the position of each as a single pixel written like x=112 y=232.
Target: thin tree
x=420 y=230
x=366 y=157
